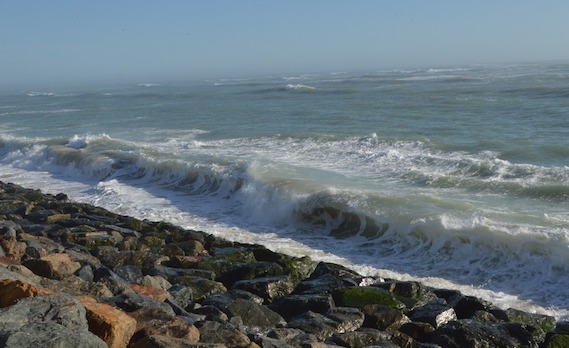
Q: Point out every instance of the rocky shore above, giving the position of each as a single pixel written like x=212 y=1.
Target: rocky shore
x=75 y=275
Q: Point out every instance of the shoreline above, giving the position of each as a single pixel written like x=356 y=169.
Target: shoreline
x=198 y=286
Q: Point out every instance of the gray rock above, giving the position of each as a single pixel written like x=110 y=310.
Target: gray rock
x=254 y=314
x=50 y=335
x=348 y=319
x=46 y=321
x=171 y=273
x=365 y=338
x=470 y=333
x=292 y=305
x=436 y=313
x=222 y=333
x=383 y=318
x=268 y=288
x=317 y=324
x=159 y=341
x=419 y=331
x=181 y=294
x=130 y=273
x=223 y=299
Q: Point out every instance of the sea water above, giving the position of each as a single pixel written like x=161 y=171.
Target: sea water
x=457 y=177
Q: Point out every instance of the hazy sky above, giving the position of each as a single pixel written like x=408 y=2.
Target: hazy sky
x=53 y=42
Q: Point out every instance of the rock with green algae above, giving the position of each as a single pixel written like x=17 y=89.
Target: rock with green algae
x=201 y=287
x=355 y=296
x=557 y=341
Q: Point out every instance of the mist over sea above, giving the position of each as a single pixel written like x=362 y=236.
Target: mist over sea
x=457 y=177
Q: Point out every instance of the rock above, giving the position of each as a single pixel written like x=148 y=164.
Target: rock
x=360 y=296
x=544 y=322
x=59 y=320
x=437 y=313
x=181 y=294
x=172 y=273
x=130 y=273
x=155 y=293
x=143 y=259
x=155 y=282
x=151 y=322
x=348 y=319
x=337 y=271
x=13 y=290
x=159 y=341
x=321 y=285
x=526 y=335
x=383 y=318
x=86 y=273
x=419 y=331
x=249 y=271
x=110 y=324
x=49 y=335
x=201 y=287
x=53 y=265
x=317 y=324
x=293 y=305
x=73 y=285
x=131 y=301
x=269 y=288
x=222 y=333
x=223 y=299
x=364 y=338
x=254 y=314
x=470 y=333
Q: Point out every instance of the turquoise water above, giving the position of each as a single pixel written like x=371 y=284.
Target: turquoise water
x=457 y=176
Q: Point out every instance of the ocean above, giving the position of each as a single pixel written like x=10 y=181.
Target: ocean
x=456 y=177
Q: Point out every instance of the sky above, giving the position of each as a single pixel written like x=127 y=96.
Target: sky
x=81 y=42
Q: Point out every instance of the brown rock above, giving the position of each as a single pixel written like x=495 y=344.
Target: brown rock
x=13 y=290
x=155 y=293
x=51 y=219
x=110 y=324
x=52 y=265
x=159 y=323
x=12 y=247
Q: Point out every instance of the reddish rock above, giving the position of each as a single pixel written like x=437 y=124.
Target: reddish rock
x=52 y=265
x=155 y=293
x=13 y=290
x=110 y=324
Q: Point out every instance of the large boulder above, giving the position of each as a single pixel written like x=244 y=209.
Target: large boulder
x=47 y=321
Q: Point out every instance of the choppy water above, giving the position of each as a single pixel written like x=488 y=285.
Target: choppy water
x=456 y=177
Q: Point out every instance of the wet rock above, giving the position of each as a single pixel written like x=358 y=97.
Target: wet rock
x=337 y=271
x=108 y=323
x=544 y=322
